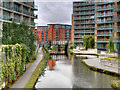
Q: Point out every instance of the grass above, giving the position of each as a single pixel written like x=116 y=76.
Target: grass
x=116 y=59
x=38 y=72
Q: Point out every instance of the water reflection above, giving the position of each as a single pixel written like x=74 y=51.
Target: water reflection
x=69 y=72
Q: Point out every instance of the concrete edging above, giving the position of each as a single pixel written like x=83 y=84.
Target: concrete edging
x=100 y=70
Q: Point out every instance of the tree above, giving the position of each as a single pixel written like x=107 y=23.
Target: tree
x=88 y=42
x=110 y=45
x=19 y=33
x=91 y=43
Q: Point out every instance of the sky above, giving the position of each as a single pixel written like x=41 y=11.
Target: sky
x=54 y=12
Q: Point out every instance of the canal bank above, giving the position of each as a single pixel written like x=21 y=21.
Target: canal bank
x=40 y=69
x=26 y=76
x=95 y=64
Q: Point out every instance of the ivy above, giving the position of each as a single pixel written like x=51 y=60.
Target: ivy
x=19 y=33
x=14 y=64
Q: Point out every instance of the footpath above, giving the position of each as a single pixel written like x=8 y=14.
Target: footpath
x=96 y=63
x=26 y=76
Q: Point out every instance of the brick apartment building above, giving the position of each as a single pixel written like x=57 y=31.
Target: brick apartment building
x=53 y=32
x=98 y=18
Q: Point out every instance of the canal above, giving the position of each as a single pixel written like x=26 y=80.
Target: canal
x=69 y=72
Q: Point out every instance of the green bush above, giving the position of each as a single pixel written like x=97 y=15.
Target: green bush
x=71 y=47
x=19 y=33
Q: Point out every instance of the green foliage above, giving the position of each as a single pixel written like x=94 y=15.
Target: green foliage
x=71 y=47
x=1 y=74
x=21 y=34
x=110 y=45
x=15 y=62
x=88 y=42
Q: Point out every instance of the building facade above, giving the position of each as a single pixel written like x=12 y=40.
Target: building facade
x=98 y=18
x=83 y=20
x=53 y=32
x=17 y=11
x=107 y=18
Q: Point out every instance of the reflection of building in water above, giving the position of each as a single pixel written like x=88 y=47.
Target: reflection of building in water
x=58 y=57
x=51 y=64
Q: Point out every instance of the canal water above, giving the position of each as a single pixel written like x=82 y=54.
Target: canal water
x=69 y=72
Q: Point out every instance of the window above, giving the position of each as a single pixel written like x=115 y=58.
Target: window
x=63 y=26
x=56 y=26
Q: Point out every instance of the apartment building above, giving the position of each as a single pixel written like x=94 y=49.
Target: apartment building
x=17 y=11
x=83 y=20
x=107 y=18
x=98 y=18
x=53 y=32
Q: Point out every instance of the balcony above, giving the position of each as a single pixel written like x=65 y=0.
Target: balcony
x=82 y=18
x=103 y=34
x=105 y=8
x=101 y=3
x=17 y=9
x=91 y=27
x=8 y=18
x=16 y=20
x=105 y=28
x=103 y=40
x=83 y=4
x=87 y=8
x=84 y=13
x=26 y=12
x=78 y=41
x=78 y=36
x=105 y=21
x=89 y=22
x=104 y=15
x=117 y=29
x=35 y=7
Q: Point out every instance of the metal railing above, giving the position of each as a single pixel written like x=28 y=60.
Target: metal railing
x=103 y=15
x=104 y=33
x=102 y=39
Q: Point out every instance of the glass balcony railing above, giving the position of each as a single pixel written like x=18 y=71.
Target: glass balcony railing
x=26 y=12
x=35 y=7
x=88 y=8
x=103 y=15
x=83 y=4
x=84 y=27
x=105 y=21
x=85 y=22
x=104 y=27
x=106 y=40
x=104 y=34
x=17 y=20
x=82 y=18
x=84 y=13
x=104 y=8
x=17 y=10
x=8 y=18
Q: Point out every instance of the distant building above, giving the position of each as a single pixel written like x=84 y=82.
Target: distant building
x=53 y=32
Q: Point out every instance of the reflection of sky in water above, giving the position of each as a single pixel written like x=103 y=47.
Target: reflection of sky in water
x=68 y=73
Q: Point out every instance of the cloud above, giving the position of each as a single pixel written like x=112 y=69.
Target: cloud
x=54 y=12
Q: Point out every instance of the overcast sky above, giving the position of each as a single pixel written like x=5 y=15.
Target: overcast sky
x=54 y=11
